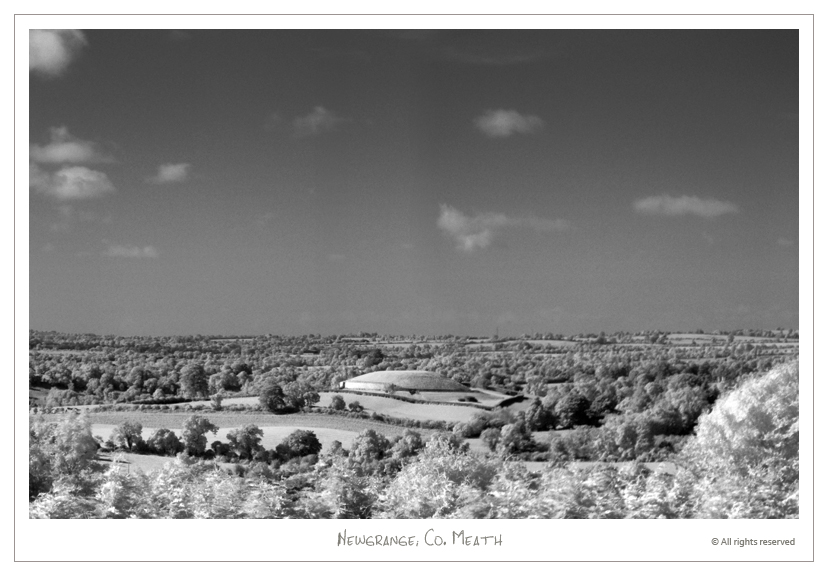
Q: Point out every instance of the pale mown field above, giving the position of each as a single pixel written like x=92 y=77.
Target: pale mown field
x=392 y=407
x=228 y=421
x=389 y=406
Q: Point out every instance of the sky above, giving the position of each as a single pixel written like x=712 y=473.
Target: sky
x=412 y=181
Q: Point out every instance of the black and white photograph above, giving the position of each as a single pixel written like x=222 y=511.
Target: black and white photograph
x=442 y=273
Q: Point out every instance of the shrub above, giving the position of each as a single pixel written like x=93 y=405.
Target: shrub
x=337 y=402
x=272 y=398
x=443 y=478
x=744 y=460
x=490 y=438
x=300 y=395
x=165 y=442
x=368 y=447
x=246 y=441
x=407 y=445
x=538 y=417
x=572 y=410
x=300 y=443
x=193 y=435
x=479 y=422
x=514 y=438
x=127 y=435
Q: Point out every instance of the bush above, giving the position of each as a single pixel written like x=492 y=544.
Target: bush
x=572 y=410
x=246 y=441
x=165 y=442
x=337 y=402
x=273 y=398
x=193 y=435
x=300 y=443
x=538 y=417
x=579 y=444
x=300 y=395
x=490 y=438
x=744 y=460
x=127 y=435
x=479 y=422
x=407 y=445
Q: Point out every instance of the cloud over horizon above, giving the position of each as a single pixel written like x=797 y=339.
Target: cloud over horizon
x=666 y=205
x=318 y=121
x=472 y=232
x=70 y=183
x=170 y=173
x=63 y=148
x=129 y=251
x=51 y=51
x=504 y=123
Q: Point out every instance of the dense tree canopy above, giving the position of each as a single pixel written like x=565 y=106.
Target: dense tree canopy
x=246 y=441
x=127 y=434
x=742 y=463
x=272 y=398
x=193 y=381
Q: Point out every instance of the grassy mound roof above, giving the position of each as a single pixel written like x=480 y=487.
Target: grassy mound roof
x=411 y=380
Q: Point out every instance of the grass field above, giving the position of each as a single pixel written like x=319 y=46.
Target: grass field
x=244 y=401
x=391 y=407
x=153 y=420
x=483 y=398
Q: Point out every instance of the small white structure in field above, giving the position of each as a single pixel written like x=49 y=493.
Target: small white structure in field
x=403 y=380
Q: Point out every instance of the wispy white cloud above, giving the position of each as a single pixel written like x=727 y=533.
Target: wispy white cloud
x=128 y=251
x=70 y=183
x=666 y=205
x=170 y=173
x=63 y=148
x=51 y=51
x=473 y=232
x=318 y=121
x=504 y=123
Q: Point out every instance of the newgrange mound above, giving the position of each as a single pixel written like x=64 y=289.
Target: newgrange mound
x=402 y=380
